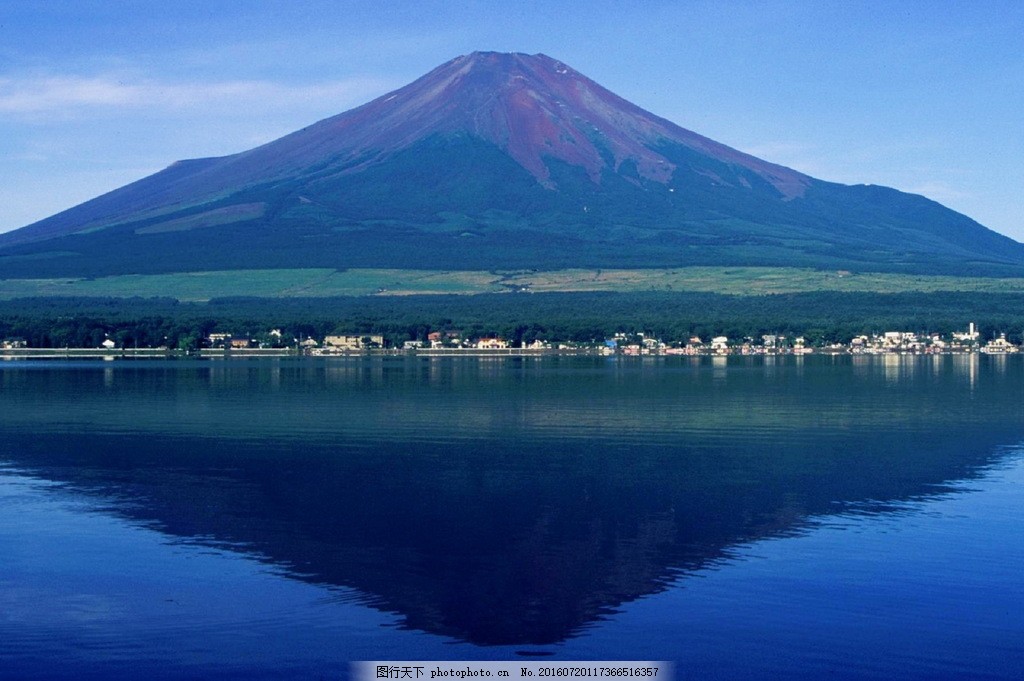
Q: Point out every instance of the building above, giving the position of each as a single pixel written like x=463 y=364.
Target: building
x=354 y=342
x=971 y=336
x=999 y=346
x=219 y=340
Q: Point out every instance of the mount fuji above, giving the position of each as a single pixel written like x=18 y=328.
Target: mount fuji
x=499 y=161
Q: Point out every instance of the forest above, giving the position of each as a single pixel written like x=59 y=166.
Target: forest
x=821 y=317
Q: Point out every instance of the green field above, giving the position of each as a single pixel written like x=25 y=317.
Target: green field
x=295 y=283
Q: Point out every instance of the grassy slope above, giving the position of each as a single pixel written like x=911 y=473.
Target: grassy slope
x=287 y=283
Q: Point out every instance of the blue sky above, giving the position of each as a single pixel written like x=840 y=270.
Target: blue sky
x=927 y=97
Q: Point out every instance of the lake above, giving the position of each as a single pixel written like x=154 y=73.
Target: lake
x=794 y=517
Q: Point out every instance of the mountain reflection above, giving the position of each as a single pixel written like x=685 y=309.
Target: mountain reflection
x=508 y=502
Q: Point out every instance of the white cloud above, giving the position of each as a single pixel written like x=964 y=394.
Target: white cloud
x=939 y=191
x=26 y=156
x=63 y=96
x=776 y=149
x=800 y=156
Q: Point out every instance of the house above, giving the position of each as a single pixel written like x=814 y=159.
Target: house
x=342 y=342
x=353 y=342
x=219 y=340
x=440 y=339
x=491 y=344
x=800 y=346
x=109 y=344
x=970 y=337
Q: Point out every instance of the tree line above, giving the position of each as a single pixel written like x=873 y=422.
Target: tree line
x=821 y=317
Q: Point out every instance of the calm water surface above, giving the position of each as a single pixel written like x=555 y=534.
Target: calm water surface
x=849 y=517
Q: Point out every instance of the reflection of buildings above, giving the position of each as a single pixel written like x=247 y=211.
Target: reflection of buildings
x=501 y=502
x=898 y=367
x=966 y=366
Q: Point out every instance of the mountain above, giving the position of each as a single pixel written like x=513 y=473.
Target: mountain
x=499 y=161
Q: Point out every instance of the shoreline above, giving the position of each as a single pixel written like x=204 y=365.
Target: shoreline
x=250 y=353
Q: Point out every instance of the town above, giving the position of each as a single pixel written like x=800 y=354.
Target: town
x=438 y=343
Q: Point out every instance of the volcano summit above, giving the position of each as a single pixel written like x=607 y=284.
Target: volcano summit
x=499 y=161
